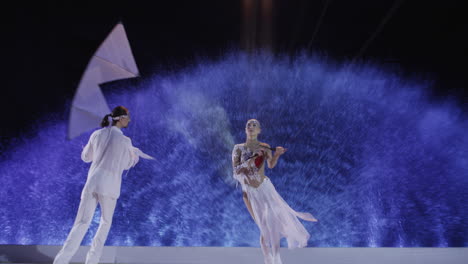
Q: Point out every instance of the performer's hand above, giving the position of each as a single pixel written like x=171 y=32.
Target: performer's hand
x=260 y=152
x=280 y=151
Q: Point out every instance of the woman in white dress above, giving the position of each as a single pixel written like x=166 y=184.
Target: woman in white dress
x=270 y=212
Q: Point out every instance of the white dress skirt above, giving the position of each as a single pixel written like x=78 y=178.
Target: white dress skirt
x=275 y=218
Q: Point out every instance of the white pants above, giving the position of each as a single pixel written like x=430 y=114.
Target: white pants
x=83 y=219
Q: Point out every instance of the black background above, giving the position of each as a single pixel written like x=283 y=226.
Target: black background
x=48 y=44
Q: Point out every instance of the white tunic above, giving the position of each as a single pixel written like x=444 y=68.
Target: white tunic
x=111 y=152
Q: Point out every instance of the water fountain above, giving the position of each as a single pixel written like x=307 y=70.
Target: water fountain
x=368 y=154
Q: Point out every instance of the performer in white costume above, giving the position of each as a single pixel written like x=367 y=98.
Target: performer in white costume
x=110 y=152
x=270 y=212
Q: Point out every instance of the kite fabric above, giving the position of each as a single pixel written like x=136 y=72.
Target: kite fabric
x=112 y=61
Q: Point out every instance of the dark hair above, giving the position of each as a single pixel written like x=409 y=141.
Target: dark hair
x=118 y=111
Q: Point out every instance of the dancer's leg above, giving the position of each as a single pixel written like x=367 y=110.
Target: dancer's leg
x=275 y=247
x=247 y=204
x=266 y=250
x=271 y=253
x=107 y=212
x=83 y=219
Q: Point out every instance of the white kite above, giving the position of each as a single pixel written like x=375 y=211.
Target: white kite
x=112 y=61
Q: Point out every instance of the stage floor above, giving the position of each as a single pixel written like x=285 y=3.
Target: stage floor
x=236 y=255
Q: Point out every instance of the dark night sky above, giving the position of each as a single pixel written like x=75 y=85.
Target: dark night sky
x=48 y=44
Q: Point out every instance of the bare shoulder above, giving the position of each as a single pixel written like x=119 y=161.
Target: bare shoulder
x=263 y=144
x=237 y=149
x=238 y=145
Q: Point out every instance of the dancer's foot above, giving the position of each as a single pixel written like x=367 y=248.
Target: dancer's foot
x=277 y=259
x=268 y=259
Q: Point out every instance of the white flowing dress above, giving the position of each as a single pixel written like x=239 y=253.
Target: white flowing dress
x=274 y=217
